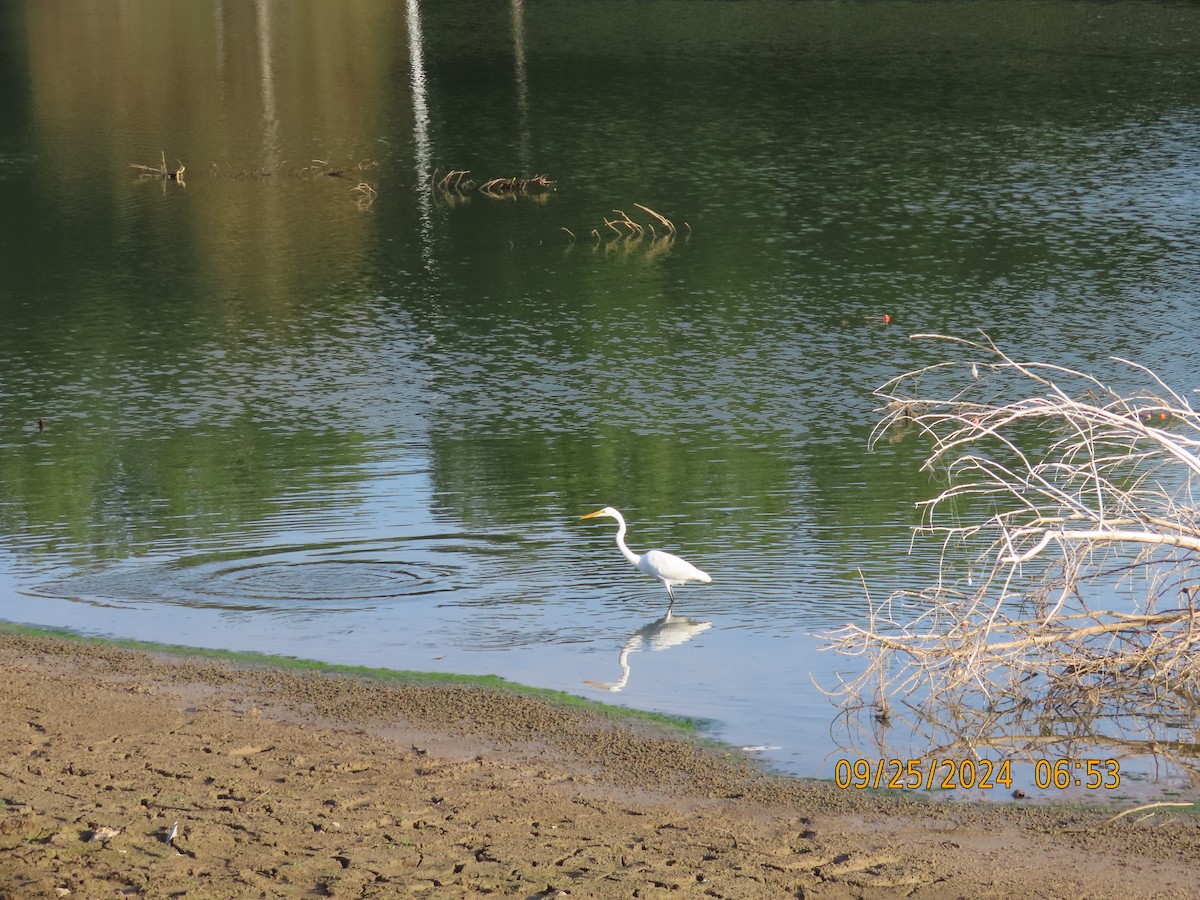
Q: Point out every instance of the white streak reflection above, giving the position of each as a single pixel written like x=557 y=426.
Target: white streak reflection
x=669 y=631
x=423 y=146
x=518 y=32
x=267 y=77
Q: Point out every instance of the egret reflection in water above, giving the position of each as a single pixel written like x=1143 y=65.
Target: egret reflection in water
x=669 y=631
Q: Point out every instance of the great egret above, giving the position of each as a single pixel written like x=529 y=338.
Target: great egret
x=666 y=567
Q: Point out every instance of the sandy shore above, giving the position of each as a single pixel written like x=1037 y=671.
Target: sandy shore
x=274 y=783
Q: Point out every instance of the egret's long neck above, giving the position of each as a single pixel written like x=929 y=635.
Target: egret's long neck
x=633 y=558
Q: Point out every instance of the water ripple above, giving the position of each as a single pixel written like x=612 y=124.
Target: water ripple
x=293 y=580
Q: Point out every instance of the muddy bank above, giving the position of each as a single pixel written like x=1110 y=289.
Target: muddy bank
x=272 y=783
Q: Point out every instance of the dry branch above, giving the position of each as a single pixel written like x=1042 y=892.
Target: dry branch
x=455 y=179
x=161 y=170
x=663 y=219
x=457 y=182
x=367 y=194
x=1070 y=562
x=626 y=232
x=1144 y=807
x=509 y=186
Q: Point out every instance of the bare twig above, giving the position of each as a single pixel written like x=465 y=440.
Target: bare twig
x=663 y=219
x=1144 y=807
x=1059 y=487
x=161 y=170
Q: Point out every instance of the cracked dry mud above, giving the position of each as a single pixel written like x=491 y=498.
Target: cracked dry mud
x=124 y=774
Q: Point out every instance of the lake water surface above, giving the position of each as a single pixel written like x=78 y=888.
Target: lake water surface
x=304 y=401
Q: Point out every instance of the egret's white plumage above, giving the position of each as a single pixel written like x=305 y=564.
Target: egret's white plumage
x=666 y=567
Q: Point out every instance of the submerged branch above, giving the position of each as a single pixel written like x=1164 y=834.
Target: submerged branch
x=161 y=170
x=627 y=232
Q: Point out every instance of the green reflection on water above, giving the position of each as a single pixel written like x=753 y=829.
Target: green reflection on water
x=200 y=351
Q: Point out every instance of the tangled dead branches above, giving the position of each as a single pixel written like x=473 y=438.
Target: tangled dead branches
x=455 y=184
x=627 y=228
x=1072 y=508
x=626 y=233
x=366 y=194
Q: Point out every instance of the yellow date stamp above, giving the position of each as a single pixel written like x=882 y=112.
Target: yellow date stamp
x=930 y=774
x=970 y=774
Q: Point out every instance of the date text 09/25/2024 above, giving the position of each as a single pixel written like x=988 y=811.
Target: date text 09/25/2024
x=951 y=774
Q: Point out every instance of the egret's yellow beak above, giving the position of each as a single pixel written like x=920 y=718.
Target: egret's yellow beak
x=598 y=512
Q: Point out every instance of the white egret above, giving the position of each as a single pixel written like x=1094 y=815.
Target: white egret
x=666 y=567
